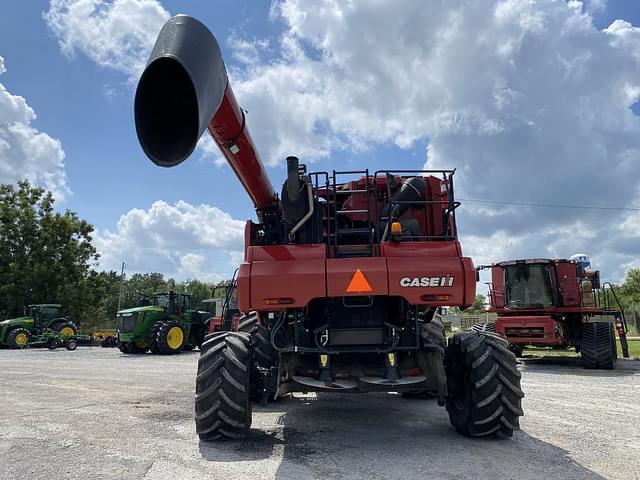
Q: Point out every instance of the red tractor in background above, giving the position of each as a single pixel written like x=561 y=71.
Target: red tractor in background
x=342 y=272
x=557 y=303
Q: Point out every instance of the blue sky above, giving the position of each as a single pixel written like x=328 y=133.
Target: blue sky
x=334 y=88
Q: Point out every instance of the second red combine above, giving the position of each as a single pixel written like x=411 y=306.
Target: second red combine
x=342 y=272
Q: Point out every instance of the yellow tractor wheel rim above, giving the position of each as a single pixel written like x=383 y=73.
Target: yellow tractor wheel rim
x=22 y=339
x=67 y=331
x=175 y=337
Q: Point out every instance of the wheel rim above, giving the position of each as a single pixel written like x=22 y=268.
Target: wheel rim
x=67 y=331
x=175 y=337
x=21 y=339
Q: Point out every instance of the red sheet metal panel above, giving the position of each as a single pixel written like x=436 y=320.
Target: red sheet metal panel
x=342 y=273
x=289 y=274
x=536 y=329
x=424 y=280
x=421 y=249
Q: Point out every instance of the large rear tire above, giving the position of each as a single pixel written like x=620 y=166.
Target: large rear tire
x=66 y=329
x=170 y=338
x=598 y=349
x=18 y=338
x=484 y=394
x=265 y=355
x=222 y=404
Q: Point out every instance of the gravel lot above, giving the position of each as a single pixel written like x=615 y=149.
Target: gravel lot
x=95 y=413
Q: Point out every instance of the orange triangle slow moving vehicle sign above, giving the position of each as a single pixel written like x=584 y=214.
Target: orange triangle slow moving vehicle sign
x=358 y=283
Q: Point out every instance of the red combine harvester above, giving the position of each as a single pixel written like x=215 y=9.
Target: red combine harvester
x=342 y=273
x=557 y=303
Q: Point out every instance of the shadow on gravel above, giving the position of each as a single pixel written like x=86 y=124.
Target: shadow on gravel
x=625 y=367
x=377 y=436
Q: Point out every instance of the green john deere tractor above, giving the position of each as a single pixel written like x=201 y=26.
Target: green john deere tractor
x=16 y=332
x=165 y=324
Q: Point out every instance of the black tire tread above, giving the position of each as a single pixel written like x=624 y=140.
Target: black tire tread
x=11 y=337
x=490 y=392
x=222 y=407
x=265 y=355
x=58 y=326
x=598 y=349
x=153 y=336
x=161 y=337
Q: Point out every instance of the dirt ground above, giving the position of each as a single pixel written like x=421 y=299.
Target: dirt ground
x=96 y=413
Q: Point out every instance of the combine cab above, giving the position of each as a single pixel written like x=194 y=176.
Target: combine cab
x=557 y=303
x=342 y=273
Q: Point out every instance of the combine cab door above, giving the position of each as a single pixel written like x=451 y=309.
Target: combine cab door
x=497 y=287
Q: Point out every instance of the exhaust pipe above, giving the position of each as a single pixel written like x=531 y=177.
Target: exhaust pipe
x=184 y=90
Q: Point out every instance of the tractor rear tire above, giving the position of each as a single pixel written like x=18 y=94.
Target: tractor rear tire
x=170 y=338
x=484 y=394
x=599 y=349
x=65 y=328
x=18 y=338
x=222 y=404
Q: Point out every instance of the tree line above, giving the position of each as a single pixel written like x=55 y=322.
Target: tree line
x=48 y=257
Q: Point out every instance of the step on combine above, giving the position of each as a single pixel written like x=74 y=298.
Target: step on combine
x=558 y=303
x=342 y=272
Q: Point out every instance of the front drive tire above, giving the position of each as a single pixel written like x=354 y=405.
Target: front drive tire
x=484 y=398
x=222 y=405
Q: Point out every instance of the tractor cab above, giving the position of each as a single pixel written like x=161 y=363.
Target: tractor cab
x=173 y=303
x=44 y=314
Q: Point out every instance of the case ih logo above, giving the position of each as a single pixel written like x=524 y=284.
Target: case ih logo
x=427 y=281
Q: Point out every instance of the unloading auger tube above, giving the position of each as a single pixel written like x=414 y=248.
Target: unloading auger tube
x=184 y=90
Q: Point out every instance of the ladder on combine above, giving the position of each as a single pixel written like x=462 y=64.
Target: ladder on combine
x=338 y=229
x=607 y=300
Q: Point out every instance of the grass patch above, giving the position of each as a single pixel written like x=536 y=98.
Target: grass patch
x=634 y=350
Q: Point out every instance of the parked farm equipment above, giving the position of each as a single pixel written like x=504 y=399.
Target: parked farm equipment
x=342 y=273
x=38 y=319
x=163 y=325
x=558 y=303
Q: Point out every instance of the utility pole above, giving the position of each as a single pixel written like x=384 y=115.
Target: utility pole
x=121 y=287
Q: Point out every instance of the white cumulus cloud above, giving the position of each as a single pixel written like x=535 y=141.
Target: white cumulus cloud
x=528 y=99
x=180 y=240
x=26 y=153
x=116 y=34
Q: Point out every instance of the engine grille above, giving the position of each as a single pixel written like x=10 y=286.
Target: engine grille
x=126 y=323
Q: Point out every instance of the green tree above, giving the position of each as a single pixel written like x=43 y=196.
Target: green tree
x=629 y=291
x=199 y=291
x=45 y=256
x=478 y=305
x=142 y=284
